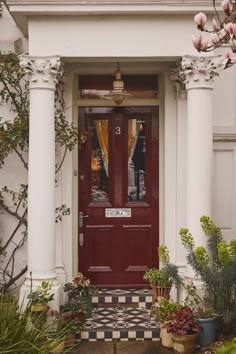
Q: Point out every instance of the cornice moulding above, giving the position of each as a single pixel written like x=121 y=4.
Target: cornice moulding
x=109 y=6
x=21 y=9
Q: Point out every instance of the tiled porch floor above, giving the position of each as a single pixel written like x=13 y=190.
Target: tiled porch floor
x=121 y=314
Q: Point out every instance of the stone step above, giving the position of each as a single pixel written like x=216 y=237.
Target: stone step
x=129 y=297
x=120 y=323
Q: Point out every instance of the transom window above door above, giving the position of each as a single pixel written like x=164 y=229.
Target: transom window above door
x=97 y=86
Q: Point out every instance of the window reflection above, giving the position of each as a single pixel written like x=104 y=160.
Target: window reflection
x=136 y=160
x=99 y=161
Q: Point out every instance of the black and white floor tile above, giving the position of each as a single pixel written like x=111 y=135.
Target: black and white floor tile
x=140 y=297
x=121 y=323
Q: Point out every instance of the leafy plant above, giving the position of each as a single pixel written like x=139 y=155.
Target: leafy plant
x=197 y=302
x=216 y=265
x=80 y=292
x=18 y=335
x=73 y=308
x=169 y=268
x=79 y=287
x=227 y=348
x=165 y=308
x=183 y=321
x=157 y=277
x=41 y=296
x=62 y=321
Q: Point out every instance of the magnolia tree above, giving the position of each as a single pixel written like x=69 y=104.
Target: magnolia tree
x=222 y=31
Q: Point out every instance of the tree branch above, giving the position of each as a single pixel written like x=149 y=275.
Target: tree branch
x=15 y=278
x=14 y=232
x=13 y=213
x=21 y=158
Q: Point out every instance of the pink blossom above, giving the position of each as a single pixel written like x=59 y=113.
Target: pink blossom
x=227 y=60
x=227 y=6
x=213 y=39
x=215 y=25
x=198 y=42
x=227 y=56
x=200 y=20
x=222 y=34
x=230 y=28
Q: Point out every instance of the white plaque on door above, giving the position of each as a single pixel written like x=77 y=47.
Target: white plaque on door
x=118 y=212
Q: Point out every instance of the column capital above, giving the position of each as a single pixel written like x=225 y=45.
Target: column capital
x=178 y=77
x=42 y=71
x=200 y=71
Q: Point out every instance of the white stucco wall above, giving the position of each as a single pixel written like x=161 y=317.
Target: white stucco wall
x=156 y=36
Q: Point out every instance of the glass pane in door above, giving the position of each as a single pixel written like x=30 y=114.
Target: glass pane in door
x=99 y=161
x=136 y=160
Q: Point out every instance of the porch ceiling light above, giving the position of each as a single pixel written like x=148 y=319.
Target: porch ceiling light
x=118 y=94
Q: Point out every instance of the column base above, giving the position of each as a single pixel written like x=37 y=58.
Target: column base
x=27 y=288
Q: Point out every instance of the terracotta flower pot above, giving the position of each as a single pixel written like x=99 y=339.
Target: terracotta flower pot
x=184 y=344
x=162 y=291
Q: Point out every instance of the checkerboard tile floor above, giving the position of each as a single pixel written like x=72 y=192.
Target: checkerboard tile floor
x=138 y=297
x=121 y=323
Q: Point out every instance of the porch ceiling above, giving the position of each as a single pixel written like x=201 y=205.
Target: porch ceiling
x=128 y=66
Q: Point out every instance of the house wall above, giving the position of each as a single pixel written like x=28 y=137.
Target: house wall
x=147 y=39
x=156 y=36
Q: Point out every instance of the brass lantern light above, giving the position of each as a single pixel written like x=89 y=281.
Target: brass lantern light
x=118 y=93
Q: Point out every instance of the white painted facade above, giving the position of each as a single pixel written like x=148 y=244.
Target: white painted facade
x=146 y=37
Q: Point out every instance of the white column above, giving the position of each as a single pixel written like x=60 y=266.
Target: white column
x=41 y=173
x=178 y=78
x=199 y=73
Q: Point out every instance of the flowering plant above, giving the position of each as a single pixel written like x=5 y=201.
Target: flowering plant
x=61 y=321
x=166 y=308
x=73 y=309
x=183 y=321
x=79 y=287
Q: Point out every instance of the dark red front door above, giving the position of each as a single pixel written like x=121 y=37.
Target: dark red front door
x=118 y=194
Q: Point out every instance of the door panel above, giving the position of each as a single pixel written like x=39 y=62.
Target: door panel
x=118 y=190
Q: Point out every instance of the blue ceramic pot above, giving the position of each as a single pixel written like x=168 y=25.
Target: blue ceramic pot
x=208 y=333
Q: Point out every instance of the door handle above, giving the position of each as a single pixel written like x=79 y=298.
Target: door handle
x=81 y=218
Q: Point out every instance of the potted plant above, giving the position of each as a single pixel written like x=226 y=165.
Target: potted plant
x=161 y=280
x=39 y=300
x=61 y=322
x=81 y=290
x=74 y=309
x=207 y=317
x=164 y=308
x=184 y=327
x=215 y=265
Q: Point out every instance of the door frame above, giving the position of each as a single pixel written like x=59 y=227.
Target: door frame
x=75 y=156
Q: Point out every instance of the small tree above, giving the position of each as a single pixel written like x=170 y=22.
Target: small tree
x=14 y=137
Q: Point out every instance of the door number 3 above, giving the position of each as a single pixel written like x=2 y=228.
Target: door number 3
x=118 y=131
